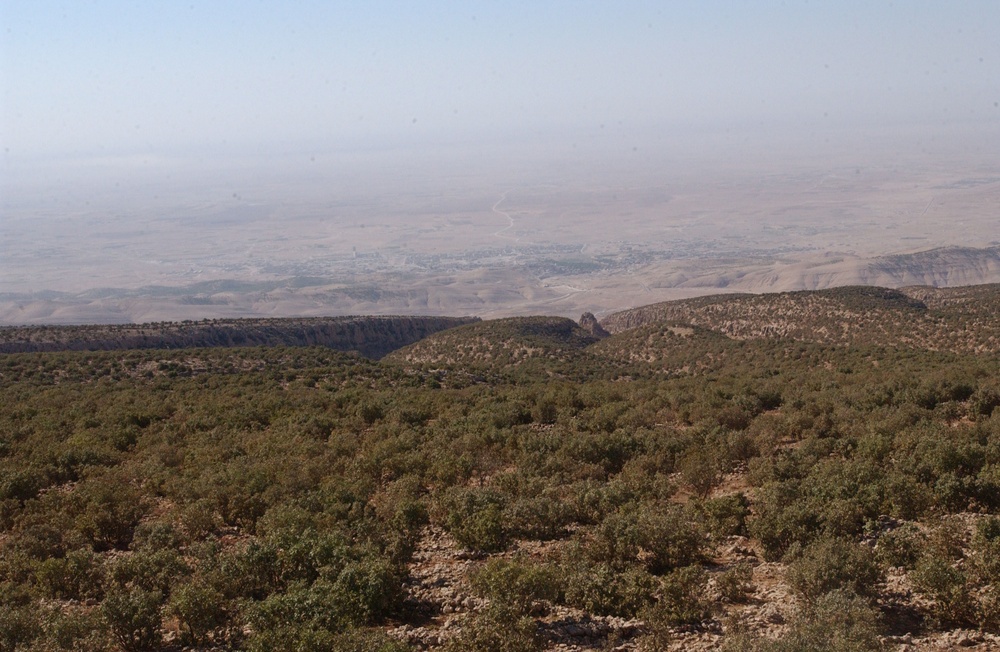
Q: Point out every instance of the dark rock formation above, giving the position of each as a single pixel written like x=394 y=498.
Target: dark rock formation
x=589 y=323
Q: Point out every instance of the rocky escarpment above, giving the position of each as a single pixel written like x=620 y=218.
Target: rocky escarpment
x=373 y=337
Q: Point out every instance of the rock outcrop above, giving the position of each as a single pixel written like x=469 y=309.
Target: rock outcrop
x=589 y=323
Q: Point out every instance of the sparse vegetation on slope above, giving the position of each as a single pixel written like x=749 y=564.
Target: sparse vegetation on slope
x=501 y=344
x=668 y=487
x=956 y=319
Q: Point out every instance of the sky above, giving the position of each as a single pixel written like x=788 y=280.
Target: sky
x=113 y=79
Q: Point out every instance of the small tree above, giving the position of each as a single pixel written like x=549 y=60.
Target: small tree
x=133 y=615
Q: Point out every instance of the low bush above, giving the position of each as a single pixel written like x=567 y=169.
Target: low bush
x=133 y=616
x=735 y=584
x=539 y=518
x=497 y=629
x=682 y=599
x=940 y=580
x=82 y=630
x=77 y=576
x=19 y=626
x=900 y=547
x=727 y=515
x=600 y=589
x=516 y=584
x=153 y=571
x=199 y=609
x=839 y=621
x=830 y=564
x=659 y=538
x=475 y=517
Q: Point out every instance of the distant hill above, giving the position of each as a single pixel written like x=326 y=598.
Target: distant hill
x=500 y=343
x=373 y=337
x=939 y=267
x=953 y=319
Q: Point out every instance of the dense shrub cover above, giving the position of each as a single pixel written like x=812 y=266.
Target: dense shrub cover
x=271 y=499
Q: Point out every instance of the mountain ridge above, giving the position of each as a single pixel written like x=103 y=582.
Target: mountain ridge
x=373 y=336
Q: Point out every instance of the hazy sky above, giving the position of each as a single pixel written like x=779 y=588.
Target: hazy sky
x=93 y=78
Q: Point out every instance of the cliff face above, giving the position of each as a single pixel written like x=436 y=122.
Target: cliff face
x=373 y=337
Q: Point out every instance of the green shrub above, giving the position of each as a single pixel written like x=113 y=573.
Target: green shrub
x=540 y=518
x=305 y=617
x=199 y=608
x=497 y=629
x=900 y=547
x=251 y=572
x=984 y=564
x=19 y=626
x=308 y=616
x=908 y=498
x=830 y=564
x=839 y=621
x=153 y=571
x=111 y=511
x=782 y=519
x=600 y=589
x=682 y=599
x=21 y=484
x=516 y=584
x=700 y=470
x=983 y=401
x=988 y=609
x=475 y=517
x=374 y=586
x=133 y=616
x=659 y=538
x=365 y=640
x=735 y=584
x=76 y=576
x=156 y=535
x=727 y=515
x=938 y=579
x=199 y=520
x=72 y=629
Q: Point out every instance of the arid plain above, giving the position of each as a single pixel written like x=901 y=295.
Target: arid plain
x=362 y=237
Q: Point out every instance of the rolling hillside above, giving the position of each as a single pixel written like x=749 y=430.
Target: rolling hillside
x=761 y=473
x=952 y=319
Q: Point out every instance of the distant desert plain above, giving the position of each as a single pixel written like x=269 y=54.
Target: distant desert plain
x=361 y=236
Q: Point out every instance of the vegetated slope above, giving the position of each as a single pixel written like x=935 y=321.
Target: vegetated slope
x=665 y=346
x=302 y=498
x=273 y=498
x=980 y=300
x=956 y=319
x=500 y=343
x=373 y=337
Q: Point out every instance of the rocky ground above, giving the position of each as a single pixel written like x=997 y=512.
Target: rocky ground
x=439 y=598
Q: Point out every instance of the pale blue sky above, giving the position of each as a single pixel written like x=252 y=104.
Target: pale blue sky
x=91 y=78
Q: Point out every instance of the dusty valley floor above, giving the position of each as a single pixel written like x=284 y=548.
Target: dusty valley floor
x=471 y=243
